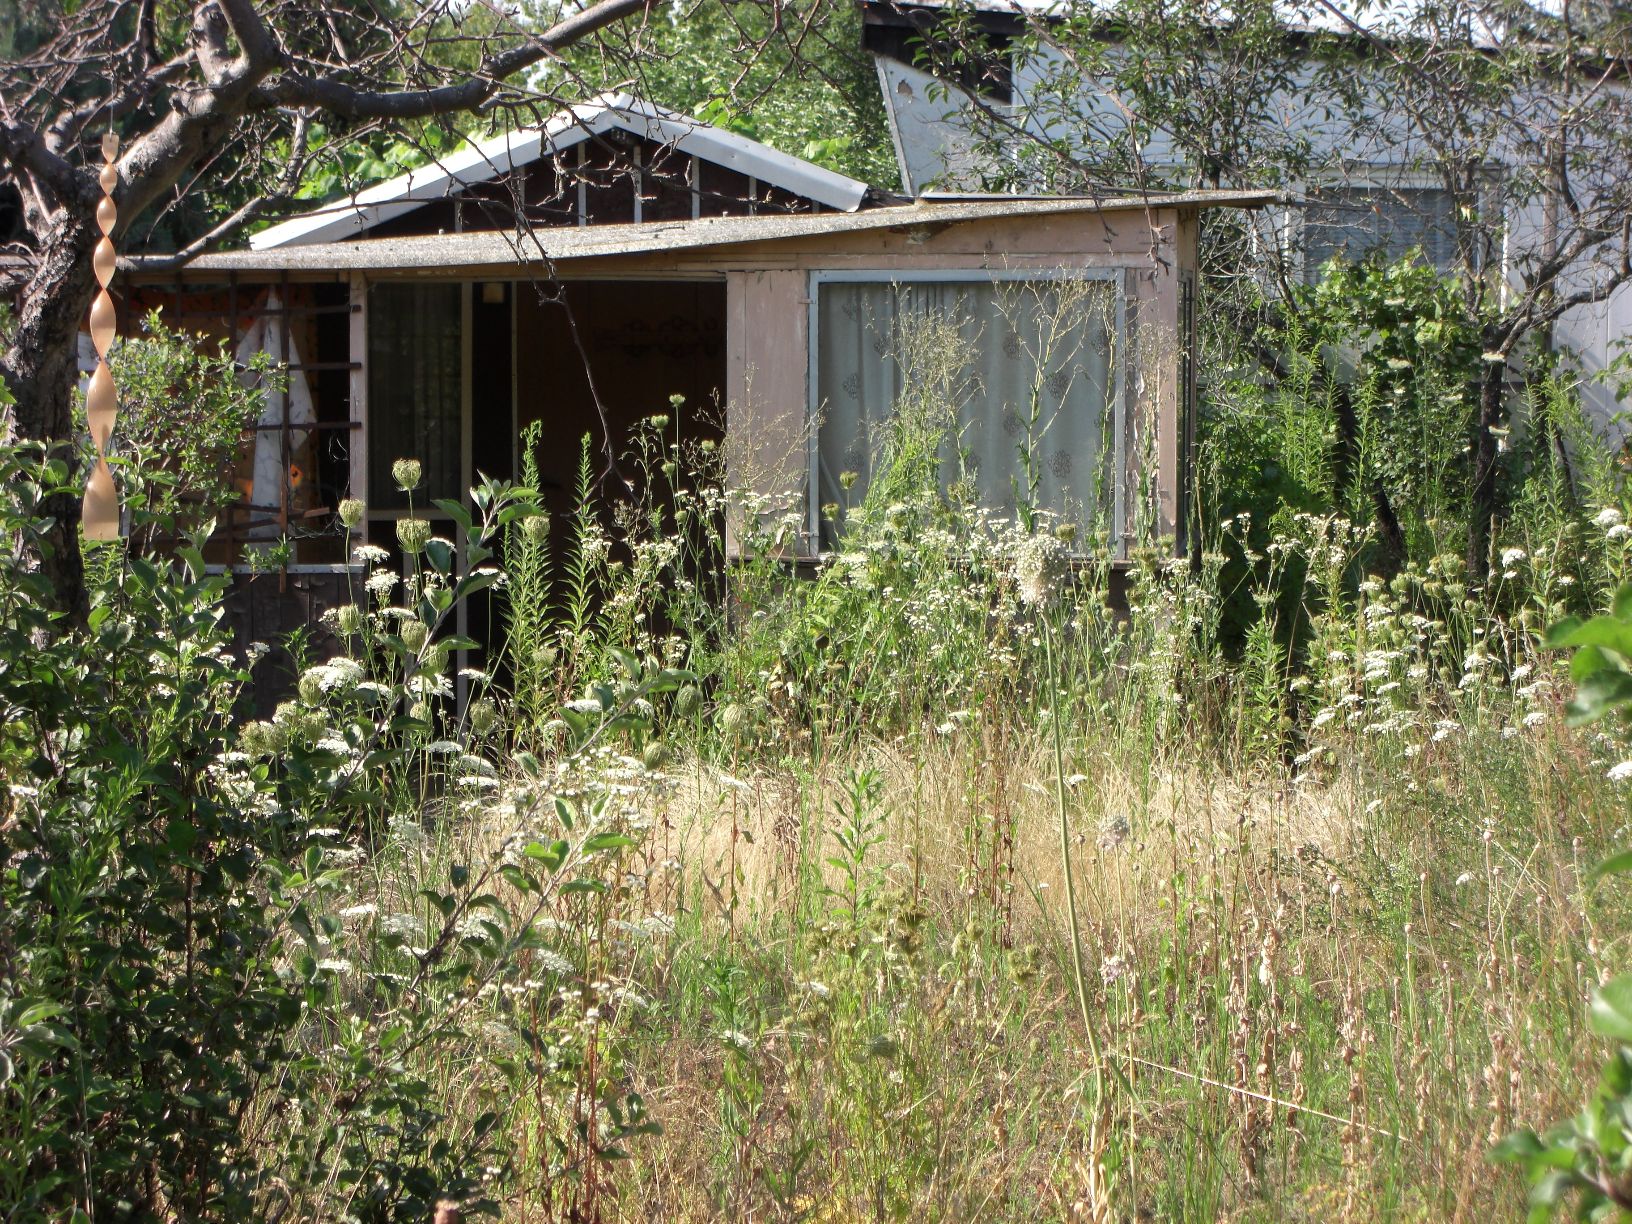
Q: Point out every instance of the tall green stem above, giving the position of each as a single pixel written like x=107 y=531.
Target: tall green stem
x=1056 y=699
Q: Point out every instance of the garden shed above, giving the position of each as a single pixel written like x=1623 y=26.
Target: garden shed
x=582 y=273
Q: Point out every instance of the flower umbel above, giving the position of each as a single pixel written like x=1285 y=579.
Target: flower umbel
x=1039 y=564
x=413 y=534
x=407 y=474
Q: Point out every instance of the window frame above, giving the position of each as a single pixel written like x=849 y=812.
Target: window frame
x=1118 y=276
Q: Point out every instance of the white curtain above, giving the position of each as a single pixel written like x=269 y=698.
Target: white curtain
x=267 y=335
x=1026 y=387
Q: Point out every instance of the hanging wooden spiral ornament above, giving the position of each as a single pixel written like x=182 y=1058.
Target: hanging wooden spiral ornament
x=100 y=516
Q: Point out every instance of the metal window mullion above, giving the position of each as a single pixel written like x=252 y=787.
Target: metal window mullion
x=813 y=414
x=1122 y=424
x=467 y=314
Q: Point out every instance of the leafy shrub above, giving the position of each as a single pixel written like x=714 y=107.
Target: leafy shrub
x=185 y=413
x=189 y=1023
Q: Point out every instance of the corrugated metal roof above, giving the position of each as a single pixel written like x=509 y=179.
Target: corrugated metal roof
x=568 y=243
x=481 y=161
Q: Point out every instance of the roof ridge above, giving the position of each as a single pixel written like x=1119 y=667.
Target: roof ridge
x=483 y=160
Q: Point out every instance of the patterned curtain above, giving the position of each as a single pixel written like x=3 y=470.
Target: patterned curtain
x=1020 y=374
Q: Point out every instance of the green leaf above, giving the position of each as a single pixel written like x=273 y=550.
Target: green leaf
x=606 y=841
x=440 y=553
x=1520 y=1147
x=551 y=854
x=1556 y=636
x=1621 y=607
x=454 y=511
x=1597 y=695
x=1615 y=864
x=1605 y=632
x=1611 y=1012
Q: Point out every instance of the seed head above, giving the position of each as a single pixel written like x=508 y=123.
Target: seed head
x=407 y=474
x=734 y=721
x=484 y=716
x=413 y=534
x=261 y=739
x=351 y=512
x=1039 y=564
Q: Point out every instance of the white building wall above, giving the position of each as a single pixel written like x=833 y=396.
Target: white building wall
x=933 y=123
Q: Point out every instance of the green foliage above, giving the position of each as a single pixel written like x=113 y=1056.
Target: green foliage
x=185 y=416
x=1399 y=338
x=1602 y=663
x=179 y=973
x=1589 y=1157
x=792 y=75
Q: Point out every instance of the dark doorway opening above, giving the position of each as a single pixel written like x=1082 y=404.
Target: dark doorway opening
x=595 y=359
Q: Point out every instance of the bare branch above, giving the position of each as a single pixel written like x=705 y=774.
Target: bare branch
x=341 y=98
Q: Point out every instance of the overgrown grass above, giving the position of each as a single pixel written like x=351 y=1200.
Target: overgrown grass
x=1334 y=899
x=749 y=904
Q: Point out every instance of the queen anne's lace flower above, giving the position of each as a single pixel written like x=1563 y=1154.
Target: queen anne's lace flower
x=1039 y=563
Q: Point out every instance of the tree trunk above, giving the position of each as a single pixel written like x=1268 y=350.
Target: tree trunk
x=1389 y=532
x=1482 y=509
x=41 y=369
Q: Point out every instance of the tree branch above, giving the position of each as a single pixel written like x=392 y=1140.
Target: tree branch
x=24 y=148
x=340 y=98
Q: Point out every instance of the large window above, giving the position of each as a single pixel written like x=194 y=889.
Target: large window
x=1357 y=221
x=1006 y=386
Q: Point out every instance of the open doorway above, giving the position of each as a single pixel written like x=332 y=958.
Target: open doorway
x=459 y=370
x=599 y=356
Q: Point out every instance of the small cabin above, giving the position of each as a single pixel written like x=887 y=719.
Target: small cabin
x=583 y=272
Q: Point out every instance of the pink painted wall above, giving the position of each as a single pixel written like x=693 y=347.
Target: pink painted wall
x=768 y=298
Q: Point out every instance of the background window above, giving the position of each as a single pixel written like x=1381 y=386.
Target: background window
x=1358 y=221
x=1010 y=380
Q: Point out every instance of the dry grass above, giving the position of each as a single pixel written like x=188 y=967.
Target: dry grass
x=1323 y=1009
